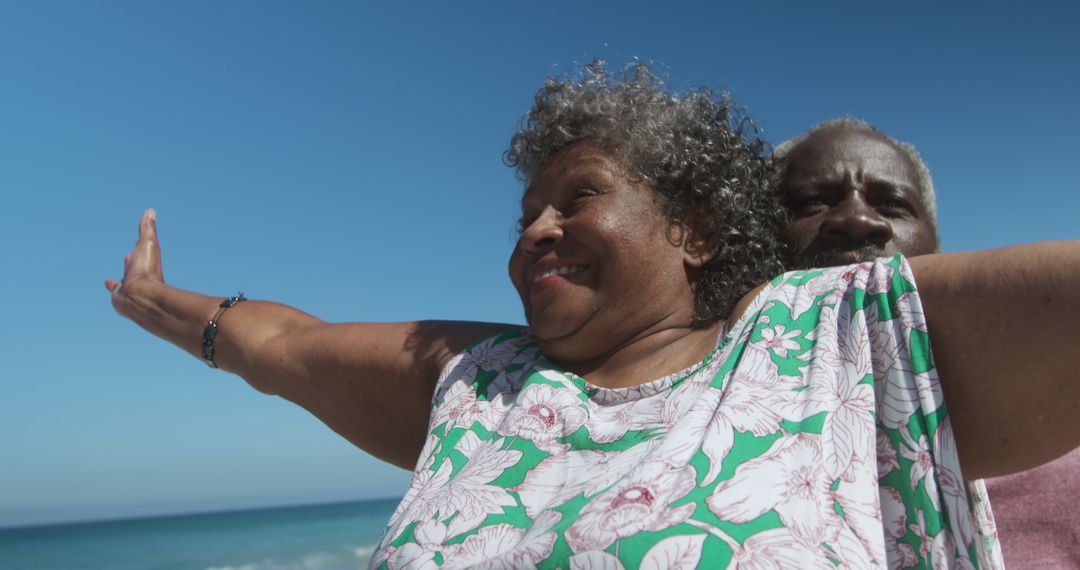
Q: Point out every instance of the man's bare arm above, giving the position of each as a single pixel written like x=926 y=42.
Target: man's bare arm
x=1004 y=330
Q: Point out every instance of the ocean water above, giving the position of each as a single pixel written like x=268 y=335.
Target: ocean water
x=317 y=537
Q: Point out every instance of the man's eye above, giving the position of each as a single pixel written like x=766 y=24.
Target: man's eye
x=894 y=206
x=808 y=206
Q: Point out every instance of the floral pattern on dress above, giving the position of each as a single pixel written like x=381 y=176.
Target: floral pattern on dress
x=639 y=502
x=814 y=435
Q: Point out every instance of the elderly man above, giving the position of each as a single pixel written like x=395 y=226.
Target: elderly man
x=855 y=194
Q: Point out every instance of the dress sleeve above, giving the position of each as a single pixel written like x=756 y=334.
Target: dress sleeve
x=879 y=318
x=869 y=330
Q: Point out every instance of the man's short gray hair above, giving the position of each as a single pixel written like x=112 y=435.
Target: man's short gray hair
x=926 y=184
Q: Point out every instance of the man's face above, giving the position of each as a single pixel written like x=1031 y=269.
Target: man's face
x=854 y=196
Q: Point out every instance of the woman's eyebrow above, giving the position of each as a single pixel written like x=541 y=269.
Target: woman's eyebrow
x=527 y=199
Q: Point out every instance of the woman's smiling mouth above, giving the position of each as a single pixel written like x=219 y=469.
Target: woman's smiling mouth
x=564 y=270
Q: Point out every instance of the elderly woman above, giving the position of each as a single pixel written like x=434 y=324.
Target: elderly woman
x=648 y=417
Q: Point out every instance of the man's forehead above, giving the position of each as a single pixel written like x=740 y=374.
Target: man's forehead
x=835 y=151
x=828 y=141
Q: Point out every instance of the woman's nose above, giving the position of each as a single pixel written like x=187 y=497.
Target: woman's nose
x=854 y=222
x=543 y=233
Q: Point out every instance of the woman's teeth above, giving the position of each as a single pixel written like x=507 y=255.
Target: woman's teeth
x=566 y=270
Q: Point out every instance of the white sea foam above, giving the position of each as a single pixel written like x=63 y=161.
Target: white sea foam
x=310 y=561
x=364 y=552
x=321 y=537
x=320 y=560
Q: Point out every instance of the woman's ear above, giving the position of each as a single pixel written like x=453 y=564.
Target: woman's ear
x=696 y=251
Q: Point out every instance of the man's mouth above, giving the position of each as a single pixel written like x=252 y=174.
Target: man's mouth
x=835 y=256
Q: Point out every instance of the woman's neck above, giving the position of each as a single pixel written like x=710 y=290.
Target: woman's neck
x=647 y=357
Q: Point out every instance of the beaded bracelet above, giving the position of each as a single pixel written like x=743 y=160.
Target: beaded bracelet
x=211 y=329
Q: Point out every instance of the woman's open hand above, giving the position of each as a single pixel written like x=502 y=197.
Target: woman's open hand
x=141 y=267
x=370 y=382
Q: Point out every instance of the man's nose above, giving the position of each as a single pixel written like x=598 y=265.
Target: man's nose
x=855 y=222
x=543 y=233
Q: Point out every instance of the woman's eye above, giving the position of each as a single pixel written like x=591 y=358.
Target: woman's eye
x=580 y=195
x=577 y=201
x=524 y=222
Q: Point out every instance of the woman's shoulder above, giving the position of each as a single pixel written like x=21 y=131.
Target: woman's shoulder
x=883 y=275
x=881 y=289
x=496 y=353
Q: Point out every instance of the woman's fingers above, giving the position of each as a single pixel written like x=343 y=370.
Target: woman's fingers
x=145 y=261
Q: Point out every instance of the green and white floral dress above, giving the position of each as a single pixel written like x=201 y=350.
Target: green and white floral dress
x=814 y=436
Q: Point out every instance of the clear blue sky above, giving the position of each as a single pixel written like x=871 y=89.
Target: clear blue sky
x=346 y=159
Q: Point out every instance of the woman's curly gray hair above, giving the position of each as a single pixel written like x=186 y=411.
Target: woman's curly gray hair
x=698 y=152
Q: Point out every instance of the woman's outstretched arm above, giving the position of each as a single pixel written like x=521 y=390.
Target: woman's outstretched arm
x=1005 y=330
x=370 y=382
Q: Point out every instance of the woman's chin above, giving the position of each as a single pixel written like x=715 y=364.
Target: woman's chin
x=552 y=330
x=552 y=319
